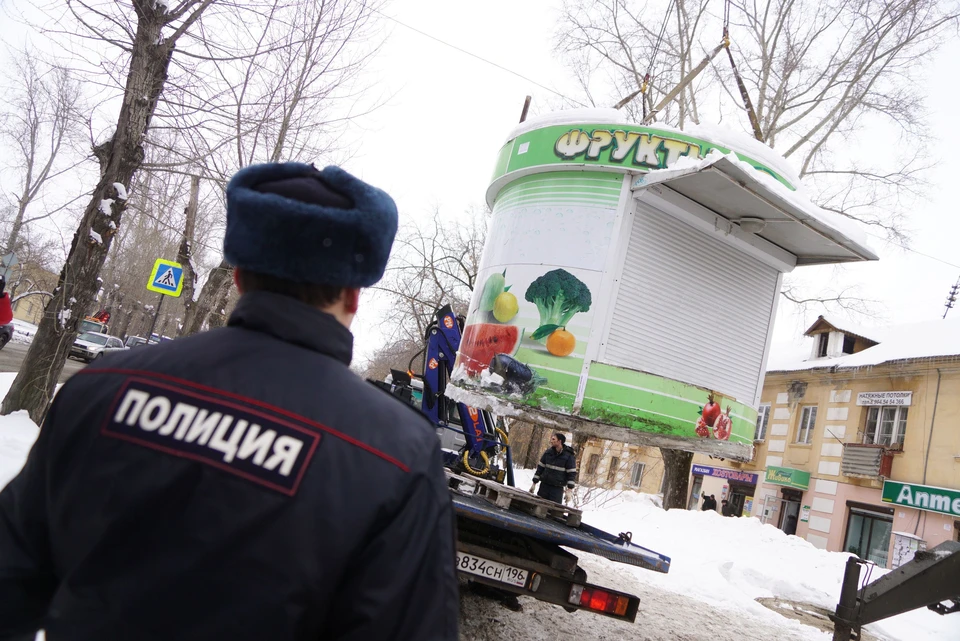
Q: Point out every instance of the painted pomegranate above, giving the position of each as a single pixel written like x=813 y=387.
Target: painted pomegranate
x=710 y=411
x=721 y=429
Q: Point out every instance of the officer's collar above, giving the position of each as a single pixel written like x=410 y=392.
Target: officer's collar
x=294 y=322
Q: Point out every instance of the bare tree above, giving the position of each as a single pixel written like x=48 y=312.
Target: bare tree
x=149 y=42
x=815 y=72
x=433 y=264
x=42 y=122
x=290 y=99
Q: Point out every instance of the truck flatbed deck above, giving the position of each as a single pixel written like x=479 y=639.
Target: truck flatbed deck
x=584 y=538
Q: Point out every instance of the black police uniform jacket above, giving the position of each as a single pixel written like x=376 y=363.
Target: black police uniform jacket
x=239 y=484
x=557 y=468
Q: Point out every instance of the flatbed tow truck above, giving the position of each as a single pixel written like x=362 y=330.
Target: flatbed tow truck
x=509 y=539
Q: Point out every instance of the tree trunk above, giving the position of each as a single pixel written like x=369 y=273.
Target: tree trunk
x=676 y=471
x=185 y=253
x=210 y=294
x=218 y=315
x=120 y=157
x=124 y=324
x=14 y=237
x=579 y=446
x=533 y=452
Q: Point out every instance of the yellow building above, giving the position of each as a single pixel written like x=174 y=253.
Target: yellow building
x=857 y=446
x=612 y=465
x=32 y=278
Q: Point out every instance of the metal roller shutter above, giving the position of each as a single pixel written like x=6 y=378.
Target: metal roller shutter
x=691 y=307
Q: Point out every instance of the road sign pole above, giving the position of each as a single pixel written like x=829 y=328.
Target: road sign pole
x=154 y=323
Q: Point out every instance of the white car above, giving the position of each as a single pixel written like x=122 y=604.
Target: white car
x=89 y=346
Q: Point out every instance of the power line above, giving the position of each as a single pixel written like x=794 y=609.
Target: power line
x=480 y=58
x=915 y=251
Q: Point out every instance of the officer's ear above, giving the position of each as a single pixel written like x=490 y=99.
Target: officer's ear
x=351 y=299
x=236 y=279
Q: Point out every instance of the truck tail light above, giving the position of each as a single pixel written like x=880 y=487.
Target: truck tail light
x=599 y=600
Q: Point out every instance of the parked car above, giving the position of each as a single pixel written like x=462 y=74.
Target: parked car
x=6 y=333
x=89 y=346
x=134 y=341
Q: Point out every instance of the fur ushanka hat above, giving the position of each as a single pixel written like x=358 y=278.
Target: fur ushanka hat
x=292 y=221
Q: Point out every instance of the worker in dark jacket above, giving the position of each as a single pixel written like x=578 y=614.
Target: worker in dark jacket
x=242 y=484
x=557 y=470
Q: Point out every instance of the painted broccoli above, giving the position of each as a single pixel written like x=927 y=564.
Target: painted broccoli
x=558 y=295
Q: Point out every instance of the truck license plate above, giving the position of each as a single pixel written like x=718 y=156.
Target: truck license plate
x=491 y=569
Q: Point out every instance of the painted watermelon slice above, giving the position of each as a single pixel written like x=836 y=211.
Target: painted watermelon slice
x=482 y=341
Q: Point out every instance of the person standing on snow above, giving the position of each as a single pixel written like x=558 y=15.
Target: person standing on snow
x=557 y=468
x=243 y=483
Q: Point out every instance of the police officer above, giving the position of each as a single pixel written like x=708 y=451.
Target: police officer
x=242 y=483
x=557 y=468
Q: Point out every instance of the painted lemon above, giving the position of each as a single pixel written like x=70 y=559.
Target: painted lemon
x=492 y=289
x=505 y=307
x=561 y=343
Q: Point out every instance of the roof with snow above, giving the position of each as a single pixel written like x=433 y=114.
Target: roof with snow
x=899 y=343
x=825 y=324
x=788 y=219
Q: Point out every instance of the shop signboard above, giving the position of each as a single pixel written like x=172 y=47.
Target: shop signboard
x=922 y=497
x=788 y=477
x=736 y=476
x=805 y=513
x=870 y=399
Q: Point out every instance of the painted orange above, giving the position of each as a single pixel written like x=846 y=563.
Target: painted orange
x=561 y=343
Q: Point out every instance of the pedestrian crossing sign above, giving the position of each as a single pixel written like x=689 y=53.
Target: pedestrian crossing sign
x=166 y=278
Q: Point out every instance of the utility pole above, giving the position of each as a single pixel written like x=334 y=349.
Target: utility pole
x=951 y=298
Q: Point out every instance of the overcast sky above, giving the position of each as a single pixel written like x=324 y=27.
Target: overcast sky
x=433 y=145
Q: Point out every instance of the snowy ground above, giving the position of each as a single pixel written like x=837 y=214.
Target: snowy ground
x=720 y=566
x=23 y=332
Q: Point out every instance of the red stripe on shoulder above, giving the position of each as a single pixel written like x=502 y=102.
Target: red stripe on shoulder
x=273 y=408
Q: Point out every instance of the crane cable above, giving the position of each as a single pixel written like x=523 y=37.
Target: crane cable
x=653 y=59
x=744 y=94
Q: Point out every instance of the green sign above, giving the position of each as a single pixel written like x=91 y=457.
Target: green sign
x=616 y=147
x=922 y=497
x=788 y=477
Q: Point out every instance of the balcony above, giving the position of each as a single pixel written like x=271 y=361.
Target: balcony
x=866 y=461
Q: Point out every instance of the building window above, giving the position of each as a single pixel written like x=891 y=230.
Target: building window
x=868 y=536
x=592 y=464
x=808 y=420
x=763 y=417
x=885 y=426
x=822 y=342
x=848 y=343
x=636 y=474
x=614 y=468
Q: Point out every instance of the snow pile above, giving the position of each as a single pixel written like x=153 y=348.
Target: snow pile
x=121 y=191
x=747 y=145
x=96 y=237
x=17 y=434
x=105 y=206
x=727 y=563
